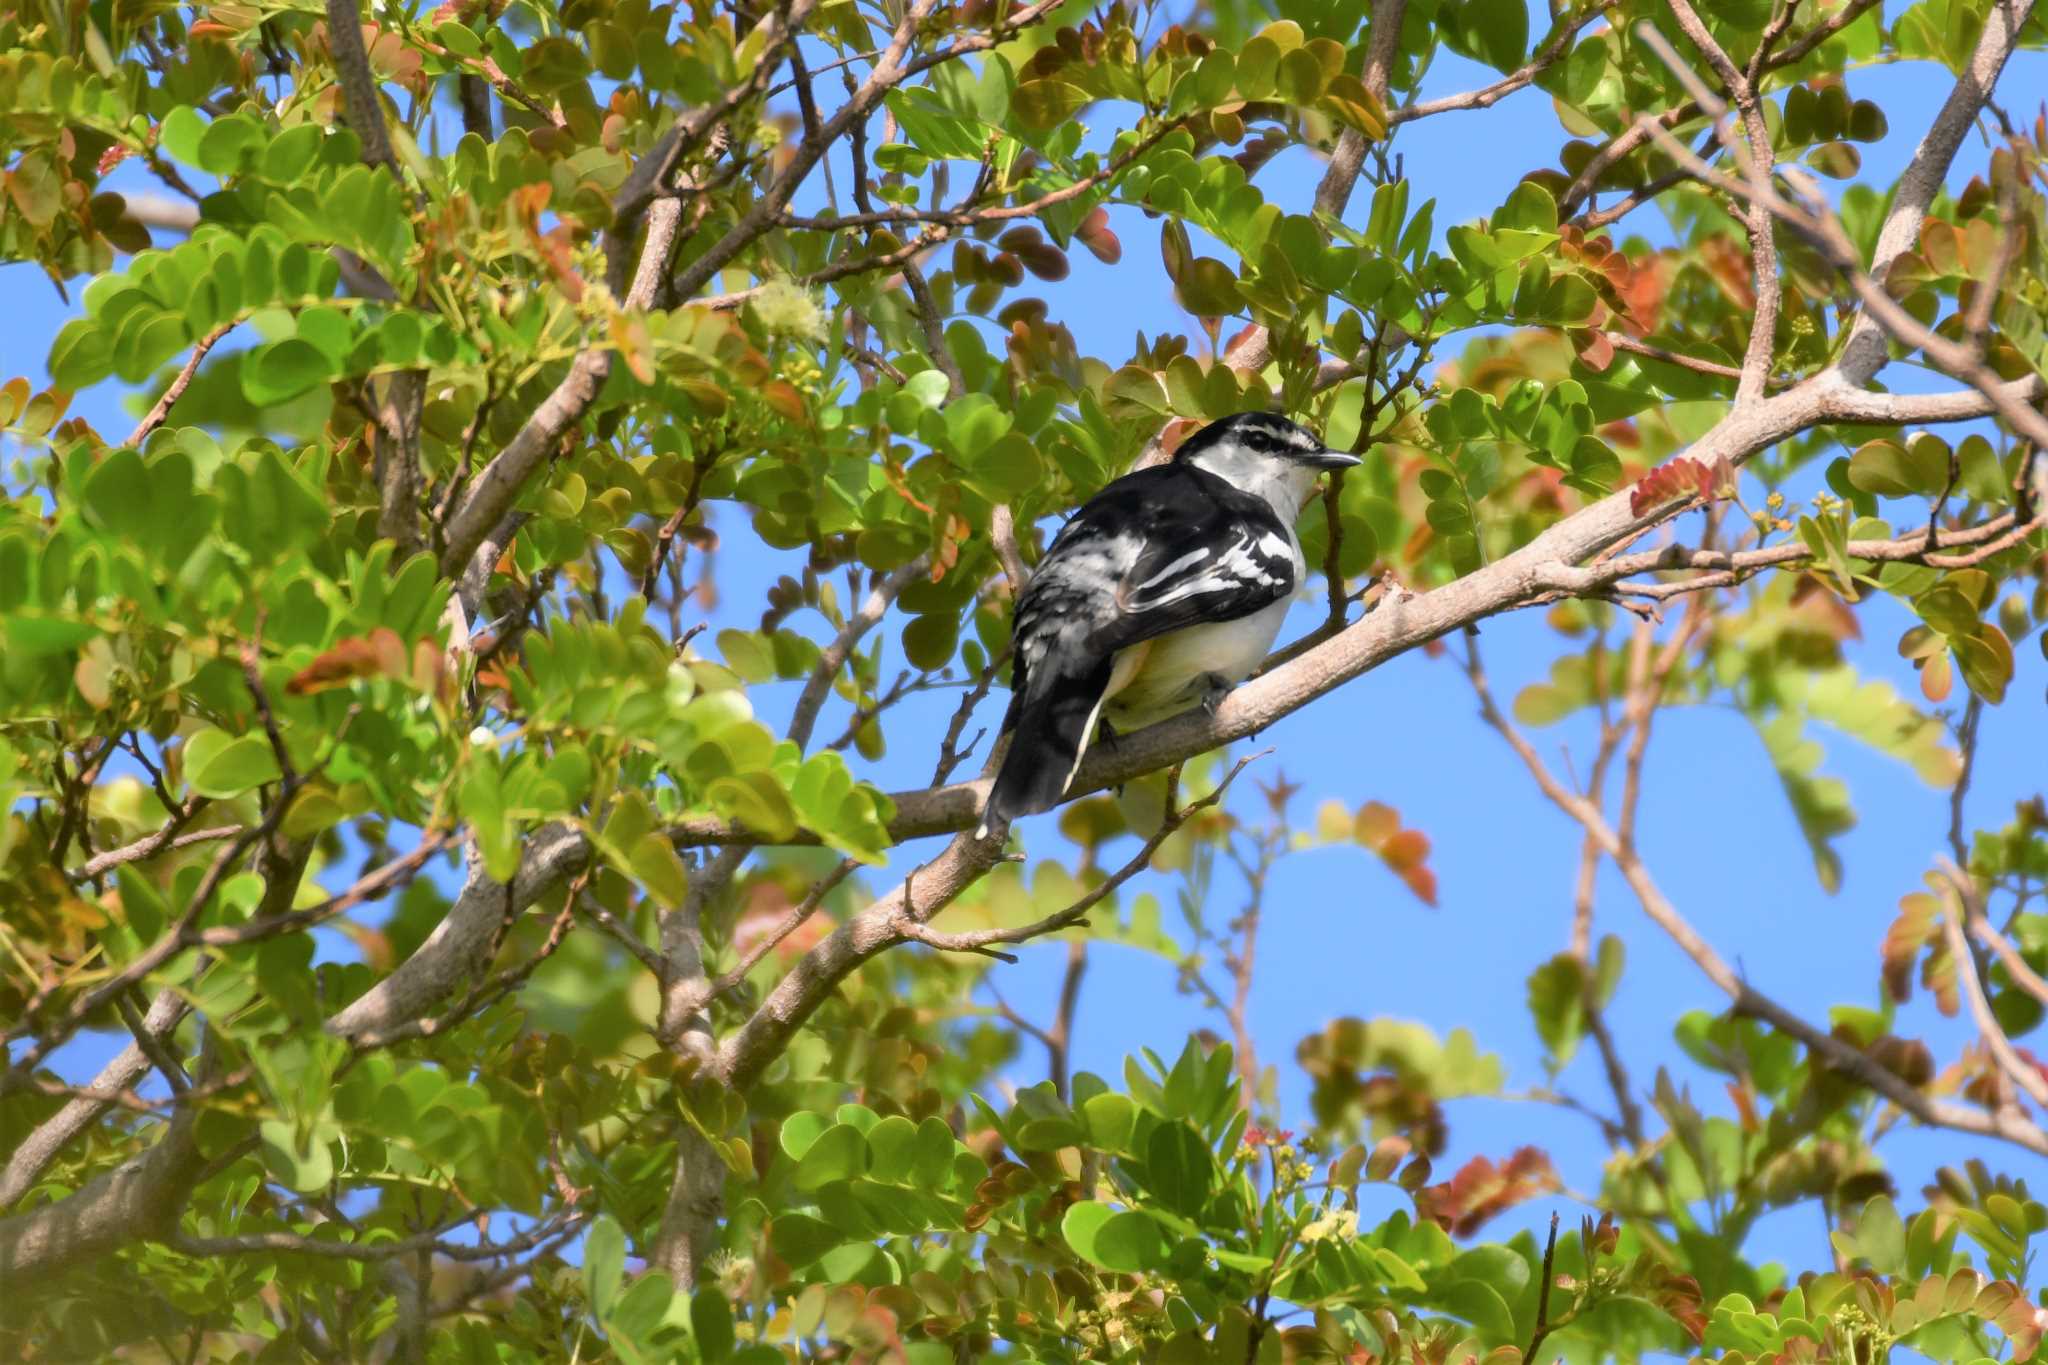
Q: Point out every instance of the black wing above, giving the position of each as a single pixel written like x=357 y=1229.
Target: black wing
x=1158 y=550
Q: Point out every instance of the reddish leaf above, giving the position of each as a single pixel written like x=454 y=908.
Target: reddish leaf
x=1094 y=233
x=381 y=652
x=1683 y=477
x=1594 y=349
x=1480 y=1189
x=1404 y=851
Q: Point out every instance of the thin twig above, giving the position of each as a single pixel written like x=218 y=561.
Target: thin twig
x=161 y=409
x=983 y=940
x=1543 y=1294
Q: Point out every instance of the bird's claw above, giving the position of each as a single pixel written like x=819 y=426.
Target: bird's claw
x=1214 y=690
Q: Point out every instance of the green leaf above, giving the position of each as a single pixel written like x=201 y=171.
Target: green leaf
x=221 y=766
x=711 y=1323
x=803 y=1128
x=1179 y=1168
x=1496 y=32
x=1479 y=1304
x=1986 y=661
x=660 y=870
x=604 y=1263
x=179 y=135
x=928 y=640
x=303 y=1165
x=1879 y=1238
x=892 y=1148
x=1045 y=104
x=1126 y=1241
x=638 y=1313
x=1557 y=1002
x=1530 y=207
x=1108 y=1119
x=1208 y=288
x=840 y=1153
x=228 y=144
x=267 y=510
x=800 y=1239
x=1890 y=470
x=280 y=371
x=292 y=151
x=81 y=356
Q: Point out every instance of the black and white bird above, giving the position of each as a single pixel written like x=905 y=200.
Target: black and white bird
x=1162 y=593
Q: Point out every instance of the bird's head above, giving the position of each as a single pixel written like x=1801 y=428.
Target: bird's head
x=1265 y=454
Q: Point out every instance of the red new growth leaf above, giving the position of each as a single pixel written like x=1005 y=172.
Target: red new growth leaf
x=1404 y=851
x=380 y=652
x=1683 y=477
x=1094 y=233
x=1480 y=1189
x=1918 y=927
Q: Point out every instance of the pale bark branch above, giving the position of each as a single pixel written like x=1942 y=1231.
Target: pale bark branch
x=139 y=1198
x=1827 y=1049
x=1962 y=904
x=749 y=1049
x=1924 y=175
x=1817 y=222
x=2016 y=966
x=1757 y=161
x=1636 y=134
x=432 y=1243
x=456 y=950
x=490 y=497
x=26 y=1164
x=1487 y=96
x=981 y=940
x=163 y=841
x=161 y=409
x=1723 y=567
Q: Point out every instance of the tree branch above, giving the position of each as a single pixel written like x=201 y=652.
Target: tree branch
x=1860 y=1066
x=29 y=1160
x=1545 y=57
x=358 y=83
x=1864 y=355
x=1757 y=161
x=161 y=409
x=1963 y=904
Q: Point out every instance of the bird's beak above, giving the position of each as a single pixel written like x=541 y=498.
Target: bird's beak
x=1330 y=459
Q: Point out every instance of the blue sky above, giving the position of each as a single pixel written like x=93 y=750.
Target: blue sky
x=1341 y=935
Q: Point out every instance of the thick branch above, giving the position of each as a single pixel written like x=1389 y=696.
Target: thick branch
x=139 y=1198
x=491 y=496
x=358 y=82
x=28 y=1161
x=456 y=950
x=1865 y=353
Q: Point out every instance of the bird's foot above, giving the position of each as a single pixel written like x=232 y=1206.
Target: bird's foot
x=1106 y=739
x=1214 y=689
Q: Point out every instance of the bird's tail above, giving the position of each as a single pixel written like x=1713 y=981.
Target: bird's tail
x=1049 y=724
